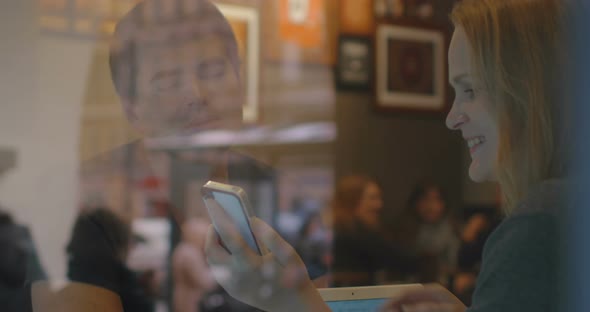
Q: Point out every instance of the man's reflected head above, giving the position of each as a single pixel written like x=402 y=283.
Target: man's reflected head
x=176 y=67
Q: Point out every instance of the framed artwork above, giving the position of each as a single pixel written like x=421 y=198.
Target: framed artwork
x=354 y=69
x=300 y=31
x=356 y=17
x=245 y=23
x=411 y=70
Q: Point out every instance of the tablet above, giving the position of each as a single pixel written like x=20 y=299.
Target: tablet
x=363 y=299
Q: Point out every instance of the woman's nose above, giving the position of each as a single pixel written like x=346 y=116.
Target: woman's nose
x=456 y=118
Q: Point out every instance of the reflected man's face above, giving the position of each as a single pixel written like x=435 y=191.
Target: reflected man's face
x=185 y=86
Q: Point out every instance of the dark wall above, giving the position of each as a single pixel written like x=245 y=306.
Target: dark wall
x=397 y=149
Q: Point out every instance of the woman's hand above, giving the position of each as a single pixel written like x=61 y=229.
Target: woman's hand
x=474 y=227
x=432 y=298
x=462 y=282
x=276 y=281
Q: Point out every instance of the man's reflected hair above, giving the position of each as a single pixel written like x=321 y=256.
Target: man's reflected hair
x=206 y=20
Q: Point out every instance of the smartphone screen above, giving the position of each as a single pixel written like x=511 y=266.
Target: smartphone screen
x=233 y=207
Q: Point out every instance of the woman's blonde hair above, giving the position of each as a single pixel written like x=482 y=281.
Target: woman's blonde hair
x=518 y=57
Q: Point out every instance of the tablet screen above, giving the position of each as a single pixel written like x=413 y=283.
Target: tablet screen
x=357 y=305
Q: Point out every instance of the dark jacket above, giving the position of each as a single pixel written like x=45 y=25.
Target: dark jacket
x=19 y=266
x=521 y=259
x=93 y=258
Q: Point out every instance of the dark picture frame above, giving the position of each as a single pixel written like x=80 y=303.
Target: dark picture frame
x=354 y=66
x=411 y=67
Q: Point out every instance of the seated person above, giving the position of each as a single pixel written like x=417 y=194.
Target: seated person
x=362 y=253
x=314 y=245
x=430 y=233
x=19 y=263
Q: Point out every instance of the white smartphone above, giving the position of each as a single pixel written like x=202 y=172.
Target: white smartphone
x=234 y=201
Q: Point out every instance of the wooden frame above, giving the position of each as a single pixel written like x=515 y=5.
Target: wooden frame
x=354 y=68
x=411 y=67
x=249 y=41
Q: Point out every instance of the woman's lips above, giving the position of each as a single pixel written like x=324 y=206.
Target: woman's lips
x=474 y=143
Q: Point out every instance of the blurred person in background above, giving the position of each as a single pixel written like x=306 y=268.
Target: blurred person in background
x=13 y=257
x=362 y=249
x=314 y=245
x=97 y=254
x=507 y=62
x=430 y=233
x=191 y=274
x=19 y=263
x=20 y=236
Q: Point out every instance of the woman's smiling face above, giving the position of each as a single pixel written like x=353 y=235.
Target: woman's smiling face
x=471 y=111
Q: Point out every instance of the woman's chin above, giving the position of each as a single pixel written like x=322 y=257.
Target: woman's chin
x=475 y=177
x=477 y=174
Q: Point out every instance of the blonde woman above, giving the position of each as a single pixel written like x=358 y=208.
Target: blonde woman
x=504 y=64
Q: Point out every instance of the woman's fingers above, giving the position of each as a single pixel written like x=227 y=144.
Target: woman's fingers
x=423 y=307
x=278 y=247
x=229 y=232
x=430 y=298
x=294 y=272
x=433 y=292
x=215 y=252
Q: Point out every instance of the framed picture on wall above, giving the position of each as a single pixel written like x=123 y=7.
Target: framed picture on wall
x=245 y=23
x=300 y=31
x=354 y=68
x=411 y=68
